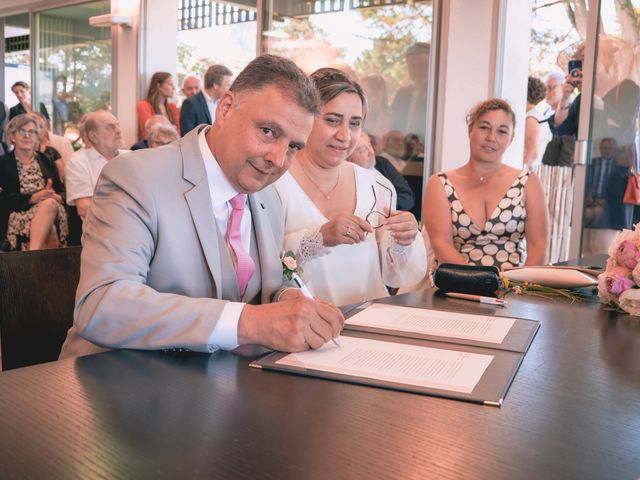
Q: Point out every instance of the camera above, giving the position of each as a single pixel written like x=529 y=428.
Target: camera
x=575 y=68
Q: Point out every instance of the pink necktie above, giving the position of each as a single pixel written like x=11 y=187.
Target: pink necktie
x=244 y=263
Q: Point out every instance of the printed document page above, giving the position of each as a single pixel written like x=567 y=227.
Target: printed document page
x=482 y=328
x=396 y=362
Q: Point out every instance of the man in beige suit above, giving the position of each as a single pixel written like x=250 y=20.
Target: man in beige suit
x=158 y=270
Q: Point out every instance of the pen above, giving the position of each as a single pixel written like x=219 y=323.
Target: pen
x=307 y=293
x=478 y=298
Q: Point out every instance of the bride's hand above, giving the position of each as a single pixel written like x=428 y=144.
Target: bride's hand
x=345 y=228
x=403 y=227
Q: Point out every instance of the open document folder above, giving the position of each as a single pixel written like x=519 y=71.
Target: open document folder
x=442 y=356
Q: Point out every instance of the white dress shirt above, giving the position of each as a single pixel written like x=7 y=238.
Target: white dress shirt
x=81 y=173
x=211 y=105
x=225 y=333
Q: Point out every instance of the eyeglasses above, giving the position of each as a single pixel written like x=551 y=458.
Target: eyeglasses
x=376 y=218
x=26 y=133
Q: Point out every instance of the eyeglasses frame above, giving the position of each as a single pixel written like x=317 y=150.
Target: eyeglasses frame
x=375 y=201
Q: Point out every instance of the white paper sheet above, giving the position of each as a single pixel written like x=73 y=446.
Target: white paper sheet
x=396 y=362
x=483 y=328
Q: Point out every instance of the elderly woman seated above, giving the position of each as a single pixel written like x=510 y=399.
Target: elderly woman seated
x=485 y=212
x=161 y=135
x=32 y=214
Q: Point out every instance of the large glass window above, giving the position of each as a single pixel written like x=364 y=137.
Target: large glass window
x=74 y=64
x=559 y=48
x=386 y=47
x=614 y=126
x=17 y=57
x=556 y=26
x=214 y=33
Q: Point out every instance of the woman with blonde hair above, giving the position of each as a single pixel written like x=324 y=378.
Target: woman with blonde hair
x=161 y=90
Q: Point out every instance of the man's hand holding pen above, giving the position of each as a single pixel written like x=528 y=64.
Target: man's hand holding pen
x=293 y=324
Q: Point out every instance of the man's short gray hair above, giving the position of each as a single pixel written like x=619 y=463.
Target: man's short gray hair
x=271 y=70
x=558 y=75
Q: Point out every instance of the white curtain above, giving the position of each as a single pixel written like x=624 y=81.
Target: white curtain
x=557 y=183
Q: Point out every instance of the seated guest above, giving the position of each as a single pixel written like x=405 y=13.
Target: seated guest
x=201 y=108
x=149 y=125
x=340 y=220
x=182 y=241
x=365 y=156
x=161 y=89
x=190 y=86
x=162 y=135
x=102 y=133
x=482 y=212
x=47 y=150
x=605 y=213
x=22 y=91
x=393 y=149
x=32 y=214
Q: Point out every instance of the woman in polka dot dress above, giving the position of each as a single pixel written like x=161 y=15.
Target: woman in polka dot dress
x=484 y=212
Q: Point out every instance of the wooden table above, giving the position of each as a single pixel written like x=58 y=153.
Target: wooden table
x=573 y=411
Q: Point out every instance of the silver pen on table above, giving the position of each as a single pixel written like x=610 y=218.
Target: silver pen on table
x=307 y=293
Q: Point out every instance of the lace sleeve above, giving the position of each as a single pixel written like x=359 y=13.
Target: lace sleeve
x=402 y=266
x=306 y=244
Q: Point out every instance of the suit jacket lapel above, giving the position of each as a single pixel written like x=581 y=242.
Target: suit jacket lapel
x=199 y=200
x=205 y=107
x=268 y=248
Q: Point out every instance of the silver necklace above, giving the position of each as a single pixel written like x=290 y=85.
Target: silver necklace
x=326 y=195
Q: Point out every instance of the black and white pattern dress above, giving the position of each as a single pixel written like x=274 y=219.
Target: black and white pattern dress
x=19 y=228
x=501 y=241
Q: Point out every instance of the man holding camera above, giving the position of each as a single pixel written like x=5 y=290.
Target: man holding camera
x=565 y=119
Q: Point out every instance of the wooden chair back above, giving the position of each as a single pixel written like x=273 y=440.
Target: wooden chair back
x=37 y=295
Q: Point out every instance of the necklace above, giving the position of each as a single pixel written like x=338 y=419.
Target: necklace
x=326 y=195
x=484 y=177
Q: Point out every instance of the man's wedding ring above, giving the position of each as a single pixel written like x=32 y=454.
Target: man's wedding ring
x=348 y=234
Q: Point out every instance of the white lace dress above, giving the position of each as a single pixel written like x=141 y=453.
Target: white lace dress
x=349 y=273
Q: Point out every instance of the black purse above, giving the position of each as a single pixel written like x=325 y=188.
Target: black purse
x=472 y=279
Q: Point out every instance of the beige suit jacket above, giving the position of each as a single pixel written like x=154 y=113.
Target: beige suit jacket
x=153 y=272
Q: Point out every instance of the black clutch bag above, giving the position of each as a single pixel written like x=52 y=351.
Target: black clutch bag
x=476 y=280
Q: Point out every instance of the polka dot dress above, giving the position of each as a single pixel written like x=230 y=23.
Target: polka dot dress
x=501 y=242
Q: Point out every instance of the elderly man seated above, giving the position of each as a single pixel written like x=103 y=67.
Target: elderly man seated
x=102 y=133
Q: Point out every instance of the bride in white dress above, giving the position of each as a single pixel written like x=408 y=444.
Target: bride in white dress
x=341 y=222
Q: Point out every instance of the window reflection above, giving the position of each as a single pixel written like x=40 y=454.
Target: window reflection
x=614 y=134
x=386 y=49
x=74 y=64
